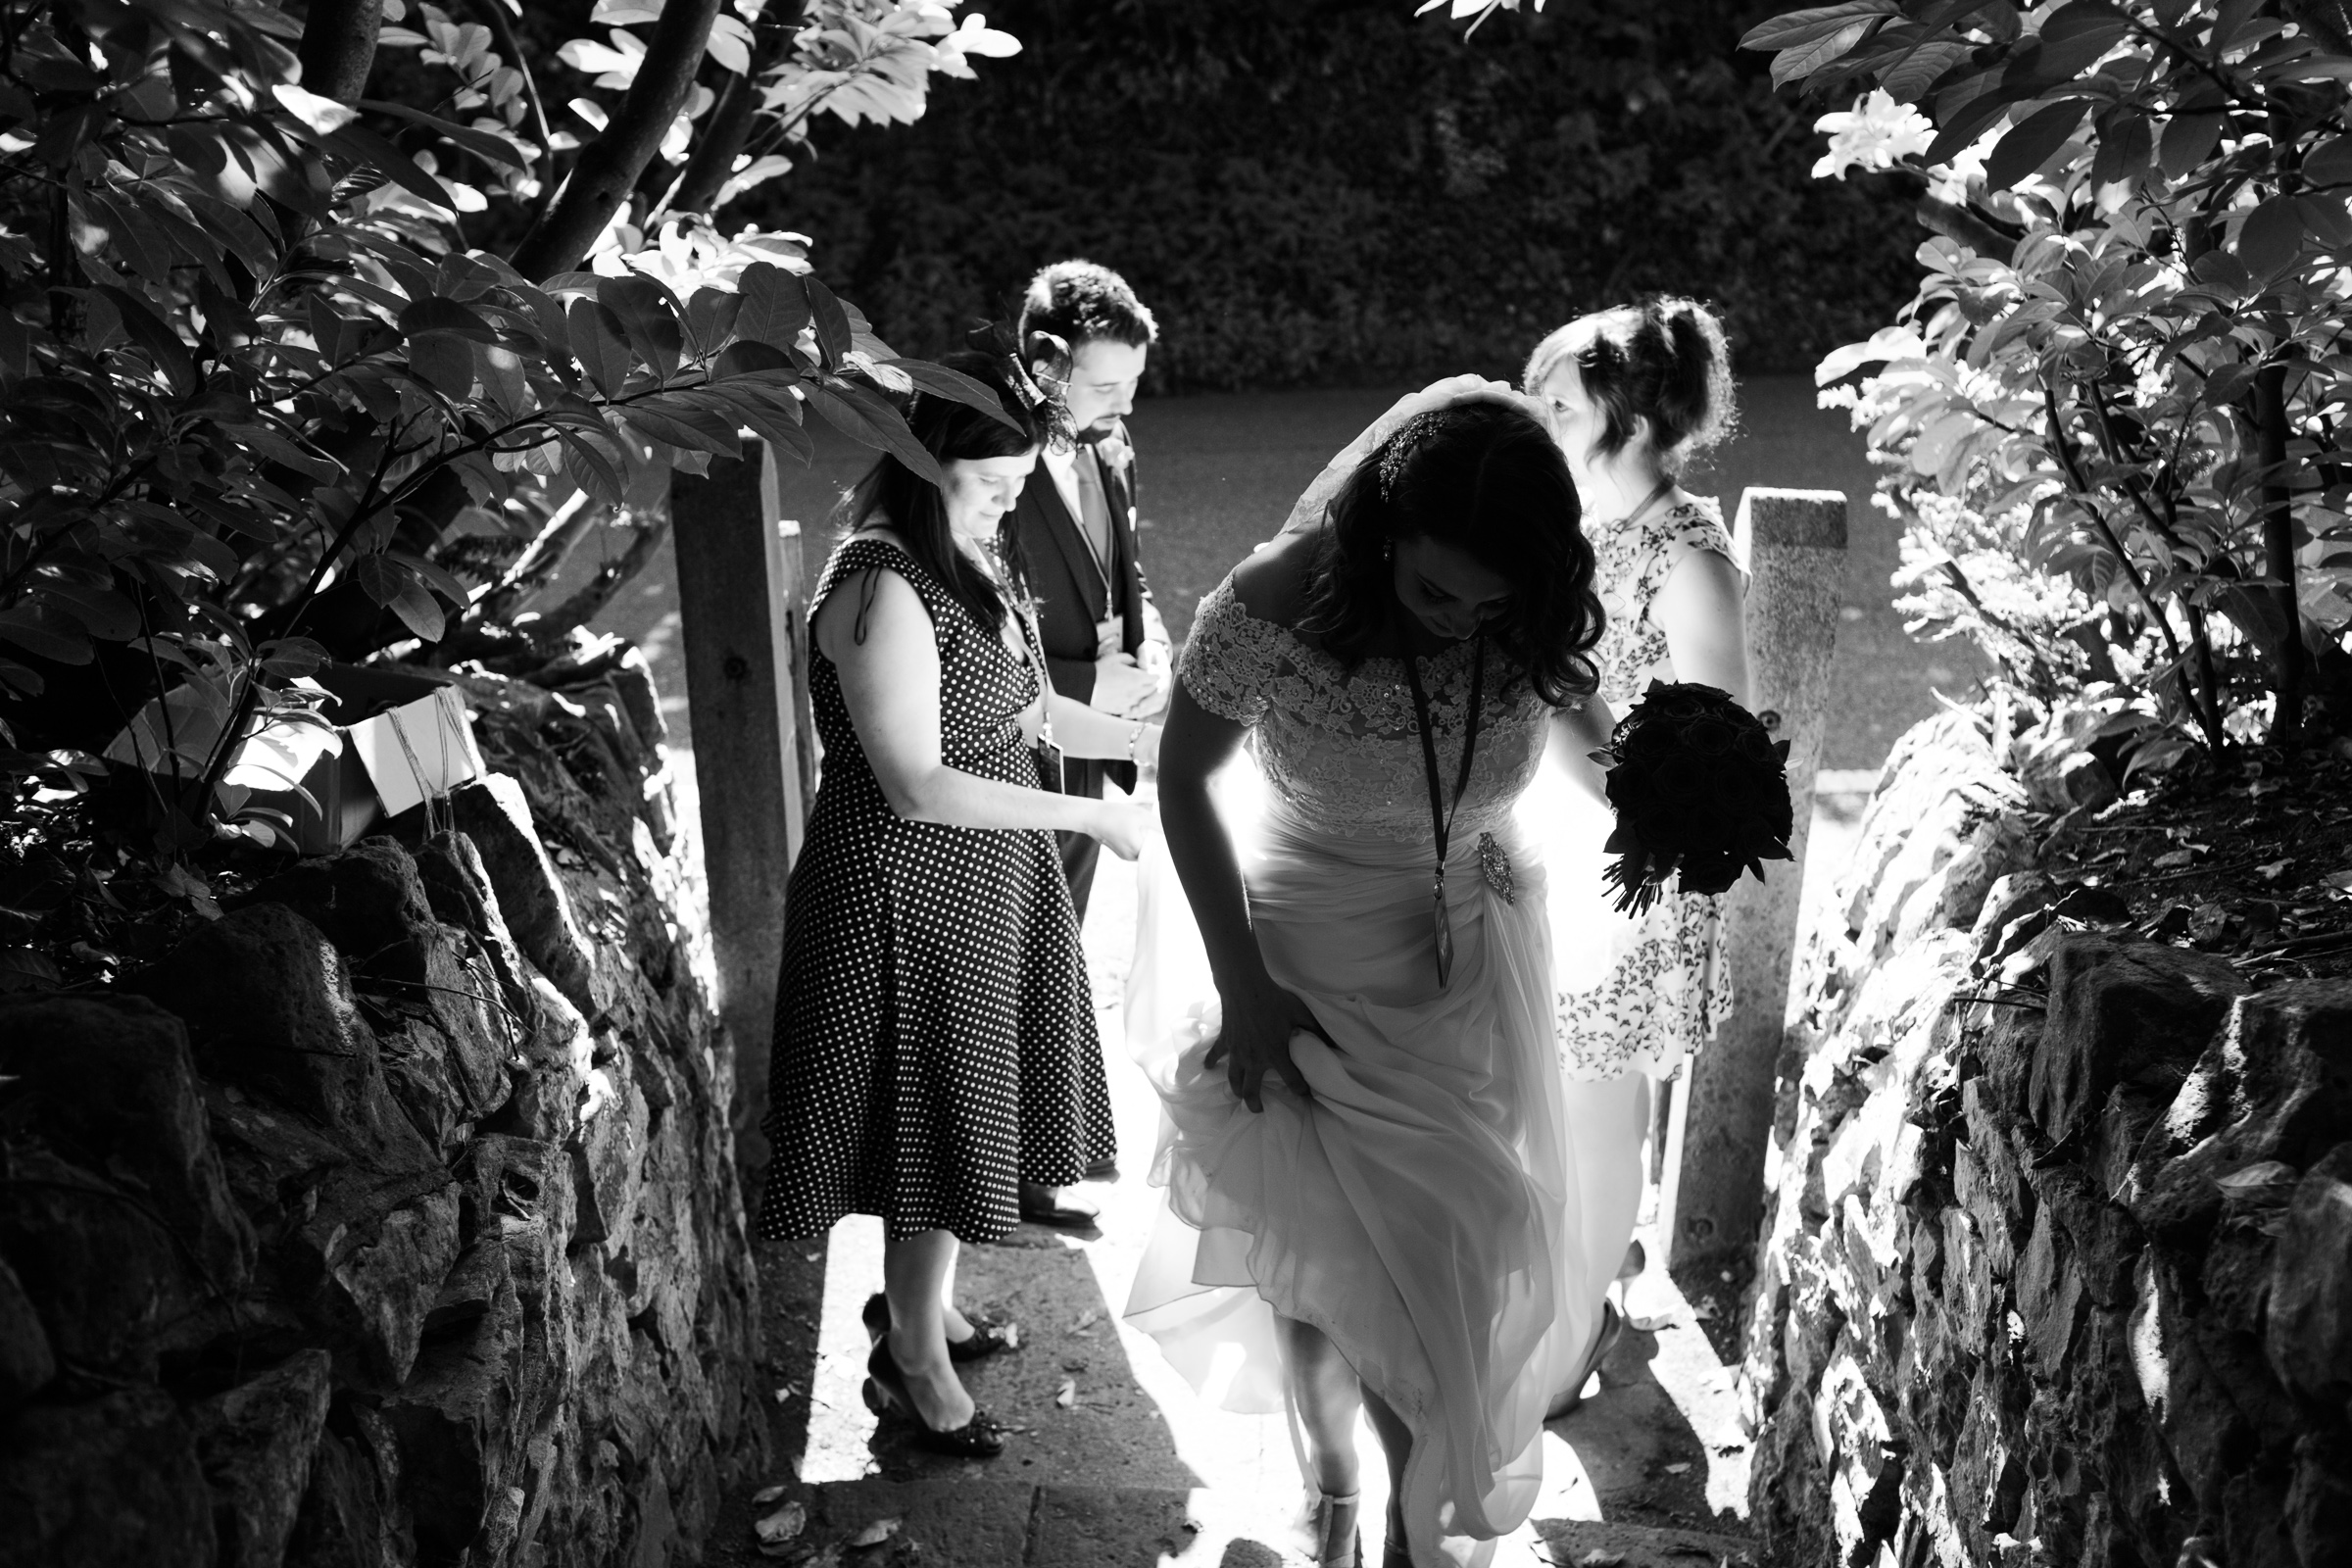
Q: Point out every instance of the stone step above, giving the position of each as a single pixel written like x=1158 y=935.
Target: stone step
x=976 y=1522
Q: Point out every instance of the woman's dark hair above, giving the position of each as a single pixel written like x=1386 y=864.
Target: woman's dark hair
x=913 y=507
x=1663 y=359
x=1486 y=479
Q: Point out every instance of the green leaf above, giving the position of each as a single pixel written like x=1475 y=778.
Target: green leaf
x=590 y=470
x=711 y=317
x=955 y=387
x=832 y=321
x=419 y=611
x=1920 y=69
x=1796 y=28
x=2271 y=240
x=2126 y=141
x=102 y=612
x=868 y=420
x=2031 y=142
x=497 y=149
x=681 y=425
x=45 y=634
x=774 y=305
x=150 y=332
x=434 y=314
x=444 y=362
x=1802 y=61
x=602 y=347
x=2330 y=162
x=2188 y=140
x=643 y=310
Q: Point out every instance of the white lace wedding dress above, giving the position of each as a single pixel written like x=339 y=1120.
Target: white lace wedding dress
x=1413 y=1209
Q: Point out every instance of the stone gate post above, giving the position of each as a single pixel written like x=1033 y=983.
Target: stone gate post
x=1720 y=1118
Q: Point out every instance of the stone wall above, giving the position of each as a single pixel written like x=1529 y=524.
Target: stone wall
x=392 y=1217
x=2058 y=1262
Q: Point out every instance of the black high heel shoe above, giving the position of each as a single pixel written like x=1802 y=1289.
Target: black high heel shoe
x=885 y=1394
x=987 y=1338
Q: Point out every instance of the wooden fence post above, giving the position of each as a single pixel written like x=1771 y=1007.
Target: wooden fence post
x=739 y=595
x=1719 y=1121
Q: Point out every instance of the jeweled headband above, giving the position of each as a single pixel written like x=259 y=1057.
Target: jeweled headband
x=1399 y=449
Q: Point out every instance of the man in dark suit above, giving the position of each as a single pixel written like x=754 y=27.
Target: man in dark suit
x=1104 y=642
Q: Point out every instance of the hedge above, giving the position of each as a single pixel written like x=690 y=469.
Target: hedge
x=1333 y=192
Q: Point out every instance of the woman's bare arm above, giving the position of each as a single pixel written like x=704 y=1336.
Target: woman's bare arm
x=1707 y=634
x=890 y=681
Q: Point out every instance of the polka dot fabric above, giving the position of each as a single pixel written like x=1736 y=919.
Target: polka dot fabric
x=935 y=1036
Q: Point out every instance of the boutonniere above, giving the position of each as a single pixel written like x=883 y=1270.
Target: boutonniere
x=1115 y=453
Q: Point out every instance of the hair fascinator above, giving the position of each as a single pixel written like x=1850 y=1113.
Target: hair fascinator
x=1039 y=373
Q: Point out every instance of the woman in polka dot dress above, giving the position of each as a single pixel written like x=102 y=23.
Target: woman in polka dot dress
x=1631 y=393
x=935 y=1036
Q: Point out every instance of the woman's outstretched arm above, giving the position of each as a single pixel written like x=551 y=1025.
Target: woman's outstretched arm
x=890 y=681
x=1258 y=1014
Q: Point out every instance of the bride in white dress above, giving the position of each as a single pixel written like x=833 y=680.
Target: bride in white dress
x=1362 y=1152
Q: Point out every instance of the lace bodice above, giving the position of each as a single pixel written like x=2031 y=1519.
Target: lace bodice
x=1340 y=748
x=1631 y=565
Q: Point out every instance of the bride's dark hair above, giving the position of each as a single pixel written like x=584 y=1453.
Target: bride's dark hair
x=1487 y=480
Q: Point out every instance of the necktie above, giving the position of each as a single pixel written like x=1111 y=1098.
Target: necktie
x=1095 y=511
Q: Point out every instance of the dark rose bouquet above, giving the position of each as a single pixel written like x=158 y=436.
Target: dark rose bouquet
x=1697 y=783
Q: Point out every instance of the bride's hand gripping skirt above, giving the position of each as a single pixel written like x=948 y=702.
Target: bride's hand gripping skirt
x=1413 y=1209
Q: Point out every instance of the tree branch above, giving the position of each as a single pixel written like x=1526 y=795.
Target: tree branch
x=608 y=169
x=501 y=29
x=338 y=47
x=726 y=131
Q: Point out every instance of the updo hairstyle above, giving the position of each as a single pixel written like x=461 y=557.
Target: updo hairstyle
x=1663 y=359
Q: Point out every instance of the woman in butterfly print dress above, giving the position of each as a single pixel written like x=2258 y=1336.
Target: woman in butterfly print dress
x=1631 y=395
x=1362 y=1157
x=935 y=1036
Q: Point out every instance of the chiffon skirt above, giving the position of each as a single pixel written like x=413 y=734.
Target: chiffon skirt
x=1413 y=1210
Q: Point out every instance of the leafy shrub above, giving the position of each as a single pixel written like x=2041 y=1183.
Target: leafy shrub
x=263 y=403
x=2117 y=401
x=1330 y=191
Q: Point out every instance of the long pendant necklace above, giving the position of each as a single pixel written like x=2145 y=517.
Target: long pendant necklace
x=1441 y=816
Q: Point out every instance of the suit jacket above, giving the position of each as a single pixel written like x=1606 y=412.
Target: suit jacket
x=1071 y=592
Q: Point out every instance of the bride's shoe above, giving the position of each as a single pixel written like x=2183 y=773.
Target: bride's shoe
x=1331 y=1525
x=1612 y=1329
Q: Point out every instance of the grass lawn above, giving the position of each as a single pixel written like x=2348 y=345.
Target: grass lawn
x=1219 y=473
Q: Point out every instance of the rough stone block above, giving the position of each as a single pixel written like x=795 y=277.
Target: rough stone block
x=460 y=1441
x=27 y=1363
x=2050 y=1296
x=352 y=1512
x=458 y=885
x=256 y=1443
x=2200 y=1423
x=111 y=1483
x=382 y=1268
x=111 y=1083
x=2130 y=1013
x=269 y=1007
x=493 y=813
x=2107 y=1241
x=2277 y=1084
x=2318 y=1503
x=110 y=1288
x=2309 y=1338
